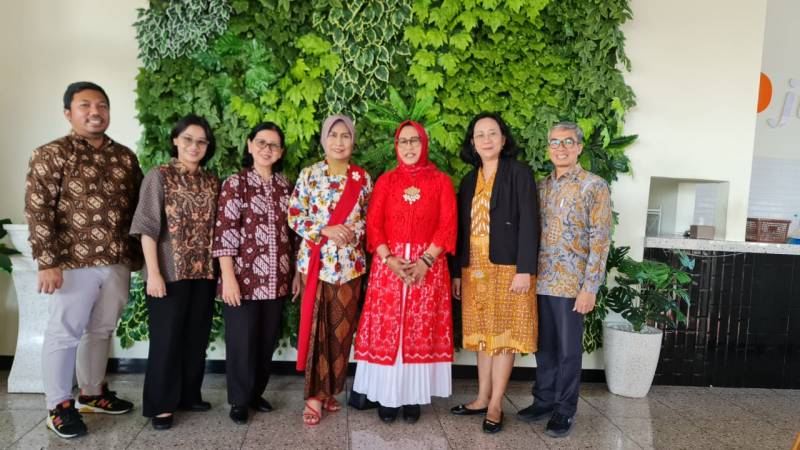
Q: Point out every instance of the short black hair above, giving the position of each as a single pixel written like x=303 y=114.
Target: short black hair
x=185 y=122
x=468 y=153
x=247 y=158
x=76 y=87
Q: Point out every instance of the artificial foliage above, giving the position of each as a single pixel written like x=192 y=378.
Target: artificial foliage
x=171 y=29
x=536 y=62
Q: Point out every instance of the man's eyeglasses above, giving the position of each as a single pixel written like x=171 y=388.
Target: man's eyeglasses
x=568 y=143
x=261 y=144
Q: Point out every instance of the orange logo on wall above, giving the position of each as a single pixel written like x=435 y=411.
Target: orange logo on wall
x=764 y=92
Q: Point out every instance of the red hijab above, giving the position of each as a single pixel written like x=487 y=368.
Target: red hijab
x=422 y=164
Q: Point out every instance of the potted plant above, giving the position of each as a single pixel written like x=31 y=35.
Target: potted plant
x=646 y=293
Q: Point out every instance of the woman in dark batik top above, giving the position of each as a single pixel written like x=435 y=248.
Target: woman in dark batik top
x=175 y=221
x=254 y=247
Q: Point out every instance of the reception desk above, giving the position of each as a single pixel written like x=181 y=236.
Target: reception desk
x=744 y=321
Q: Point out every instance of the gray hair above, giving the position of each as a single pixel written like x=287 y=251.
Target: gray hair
x=570 y=126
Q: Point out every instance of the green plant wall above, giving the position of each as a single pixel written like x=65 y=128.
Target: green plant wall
x=441 y=62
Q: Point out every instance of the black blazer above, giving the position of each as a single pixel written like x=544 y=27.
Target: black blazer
x=513 y=218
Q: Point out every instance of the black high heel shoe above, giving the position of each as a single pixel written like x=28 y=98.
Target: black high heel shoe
x=411 y=413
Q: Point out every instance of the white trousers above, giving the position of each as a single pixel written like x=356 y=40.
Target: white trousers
x=83 y=316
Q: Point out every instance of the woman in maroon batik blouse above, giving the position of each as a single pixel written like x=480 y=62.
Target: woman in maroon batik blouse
x=254 y=247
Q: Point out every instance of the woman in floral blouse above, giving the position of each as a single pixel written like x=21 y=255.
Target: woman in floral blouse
x=252 y=242
x=328 y=211
x=175 y=221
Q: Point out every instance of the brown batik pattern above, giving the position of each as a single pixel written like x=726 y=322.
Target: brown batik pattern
x=190 y=201
x=332 y=329
x=79 y=202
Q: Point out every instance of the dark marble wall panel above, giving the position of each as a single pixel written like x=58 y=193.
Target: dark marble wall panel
x=744 y=322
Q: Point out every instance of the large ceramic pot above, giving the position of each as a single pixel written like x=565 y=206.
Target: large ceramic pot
x=26 y=372
x=630 y=358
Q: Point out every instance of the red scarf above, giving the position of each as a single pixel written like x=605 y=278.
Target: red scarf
x=422 y=164
x=356 y=177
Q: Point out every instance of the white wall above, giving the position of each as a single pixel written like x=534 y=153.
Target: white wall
x=694 y=63
x=781 y=63
x=695 y=75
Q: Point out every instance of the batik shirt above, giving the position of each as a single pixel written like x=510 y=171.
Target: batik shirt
x=575 y=212
x=177 y=210
x=252 y=229
x=314 y=198
x=79 y=201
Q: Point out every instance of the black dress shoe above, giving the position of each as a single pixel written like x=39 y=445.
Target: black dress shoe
x=387 y=414
x=261 y=405
x=462 y=410
x=411 y=413
x=162 y=423
x=534 y=413
x=239 y=414
x=492 y=427
x=198 y=406
x=559 y=425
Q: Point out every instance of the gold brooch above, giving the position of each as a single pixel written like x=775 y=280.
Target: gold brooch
x=411 y=194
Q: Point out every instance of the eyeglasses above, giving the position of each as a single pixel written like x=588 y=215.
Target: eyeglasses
x=261 y=144
x=410 y=142
x=188 y=142
x=491 y=136
x=568 y=143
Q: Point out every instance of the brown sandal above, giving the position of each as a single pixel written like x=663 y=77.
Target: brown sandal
x=311 y=416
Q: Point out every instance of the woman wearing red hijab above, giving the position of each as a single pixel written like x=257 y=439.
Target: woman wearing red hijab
x=404 y=345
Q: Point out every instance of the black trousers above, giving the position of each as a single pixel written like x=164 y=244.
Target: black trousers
x=558 y=360
x=251 y=333
x=179 y=324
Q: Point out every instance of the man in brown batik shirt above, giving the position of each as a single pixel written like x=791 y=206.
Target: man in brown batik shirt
x=81 y=191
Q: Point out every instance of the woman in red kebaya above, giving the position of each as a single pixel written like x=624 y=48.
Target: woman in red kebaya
x=404 y=345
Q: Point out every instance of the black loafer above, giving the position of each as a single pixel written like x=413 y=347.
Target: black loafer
x=198 y=406
x=492 y=427
x=534 y=413
x=387 y=414
x=238 y=414
x=462 y=410
x=411 y=413
x=261 y=405
x=162 y=423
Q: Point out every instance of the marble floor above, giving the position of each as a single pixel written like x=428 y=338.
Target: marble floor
x=669 y=418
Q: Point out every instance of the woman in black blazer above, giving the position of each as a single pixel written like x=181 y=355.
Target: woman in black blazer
x=494 y=268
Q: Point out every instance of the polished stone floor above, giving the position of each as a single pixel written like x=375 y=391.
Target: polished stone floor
x=669 y=418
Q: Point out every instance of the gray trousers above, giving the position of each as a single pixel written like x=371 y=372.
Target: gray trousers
x=83 y=316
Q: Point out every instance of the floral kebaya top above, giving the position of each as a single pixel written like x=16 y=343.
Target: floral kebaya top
x=575 y=212
x=251 y=227
x=315 y=196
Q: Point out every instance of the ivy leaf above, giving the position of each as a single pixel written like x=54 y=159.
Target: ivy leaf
x=460 y=41
x=382 y=74
x=415 y=36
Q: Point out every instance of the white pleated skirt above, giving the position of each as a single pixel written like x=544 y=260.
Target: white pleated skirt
x=403 y=384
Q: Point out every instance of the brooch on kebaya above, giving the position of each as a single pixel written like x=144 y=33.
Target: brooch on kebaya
x=411 y=194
